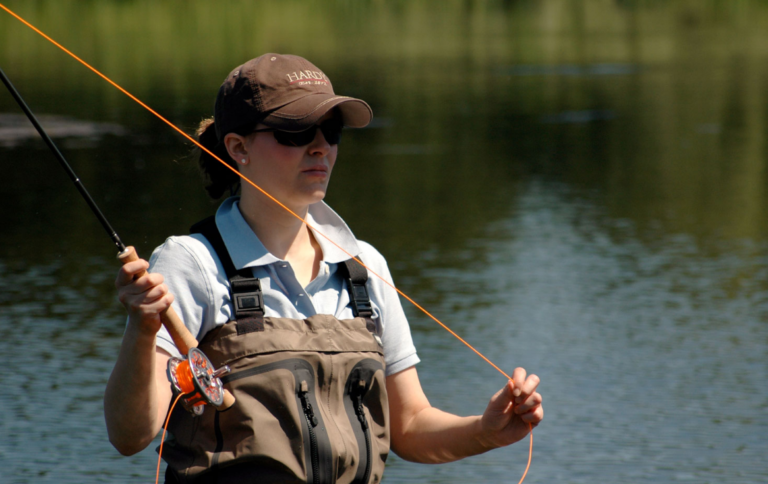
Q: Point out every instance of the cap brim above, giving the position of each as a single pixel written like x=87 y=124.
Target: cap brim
x=306 y=111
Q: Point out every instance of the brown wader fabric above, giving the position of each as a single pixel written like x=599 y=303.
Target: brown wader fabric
x=311 y=407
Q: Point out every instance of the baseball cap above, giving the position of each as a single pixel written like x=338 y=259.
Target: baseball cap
x=284 y=92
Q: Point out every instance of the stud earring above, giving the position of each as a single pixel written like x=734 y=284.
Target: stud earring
x=243 y=161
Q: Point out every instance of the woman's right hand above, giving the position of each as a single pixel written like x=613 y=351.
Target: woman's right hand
x=143 y=294
x=138 y=394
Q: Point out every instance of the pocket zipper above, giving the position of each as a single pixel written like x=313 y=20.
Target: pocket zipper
x=357 y=400
x=309 y=415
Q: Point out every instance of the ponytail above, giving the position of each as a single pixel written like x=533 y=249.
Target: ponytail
x=218 y=178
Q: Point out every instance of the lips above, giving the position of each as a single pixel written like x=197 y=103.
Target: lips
x=316 y=170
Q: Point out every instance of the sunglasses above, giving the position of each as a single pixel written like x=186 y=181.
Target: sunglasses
x=331 y=130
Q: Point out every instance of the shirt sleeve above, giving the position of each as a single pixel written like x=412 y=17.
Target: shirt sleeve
x=399 y=350
x=189 y=280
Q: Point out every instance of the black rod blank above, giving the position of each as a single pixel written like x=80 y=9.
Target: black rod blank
x=75 y=179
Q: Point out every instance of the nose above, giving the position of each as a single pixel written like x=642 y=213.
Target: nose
x=319 y=146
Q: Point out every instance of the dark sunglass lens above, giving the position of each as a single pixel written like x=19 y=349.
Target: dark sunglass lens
x=332 y=131
x=302 y=138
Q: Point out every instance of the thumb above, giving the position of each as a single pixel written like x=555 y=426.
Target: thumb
x=502 y=400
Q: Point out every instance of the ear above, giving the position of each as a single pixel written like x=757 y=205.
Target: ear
x=235 y=145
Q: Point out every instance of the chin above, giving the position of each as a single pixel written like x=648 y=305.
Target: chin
x=318 y=199
x=315 y=197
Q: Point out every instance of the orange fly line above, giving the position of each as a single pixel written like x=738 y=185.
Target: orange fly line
x=195 y=142
x=165 y=428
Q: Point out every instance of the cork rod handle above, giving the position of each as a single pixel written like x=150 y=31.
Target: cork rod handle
x=179 y=333
x=176 y=328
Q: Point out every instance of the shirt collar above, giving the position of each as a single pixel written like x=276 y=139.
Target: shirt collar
x=246 y=250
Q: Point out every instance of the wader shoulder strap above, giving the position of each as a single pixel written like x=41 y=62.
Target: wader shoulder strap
x=246 y=293
x=247 y=299
x=356 y=276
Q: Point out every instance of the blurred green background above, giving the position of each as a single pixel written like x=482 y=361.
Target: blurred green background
x=656 y=105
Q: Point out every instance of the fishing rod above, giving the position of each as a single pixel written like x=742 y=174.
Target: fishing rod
x=193 y=375
x=75 y=179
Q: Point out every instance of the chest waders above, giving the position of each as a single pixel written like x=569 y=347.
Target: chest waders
x=311 y=401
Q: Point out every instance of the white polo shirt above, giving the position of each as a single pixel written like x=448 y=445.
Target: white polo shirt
x=199 y=284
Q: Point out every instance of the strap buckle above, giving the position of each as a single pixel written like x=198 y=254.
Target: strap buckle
x=248 y=299
x=361 y=302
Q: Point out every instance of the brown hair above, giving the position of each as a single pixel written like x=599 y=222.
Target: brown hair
x=218 y=178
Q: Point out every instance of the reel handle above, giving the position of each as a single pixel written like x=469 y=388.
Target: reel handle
x=181 y=336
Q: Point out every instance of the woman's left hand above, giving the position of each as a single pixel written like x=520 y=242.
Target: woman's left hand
x=513 y=411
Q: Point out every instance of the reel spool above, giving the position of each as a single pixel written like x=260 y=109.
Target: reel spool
x=196 y=377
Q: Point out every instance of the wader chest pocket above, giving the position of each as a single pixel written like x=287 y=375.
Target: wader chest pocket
x=301 y=423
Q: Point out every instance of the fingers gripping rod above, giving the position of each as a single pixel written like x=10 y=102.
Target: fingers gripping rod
x=181 y=336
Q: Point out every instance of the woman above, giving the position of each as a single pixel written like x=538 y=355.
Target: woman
x=278 y=122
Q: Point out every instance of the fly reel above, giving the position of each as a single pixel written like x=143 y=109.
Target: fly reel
x=196 y=377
